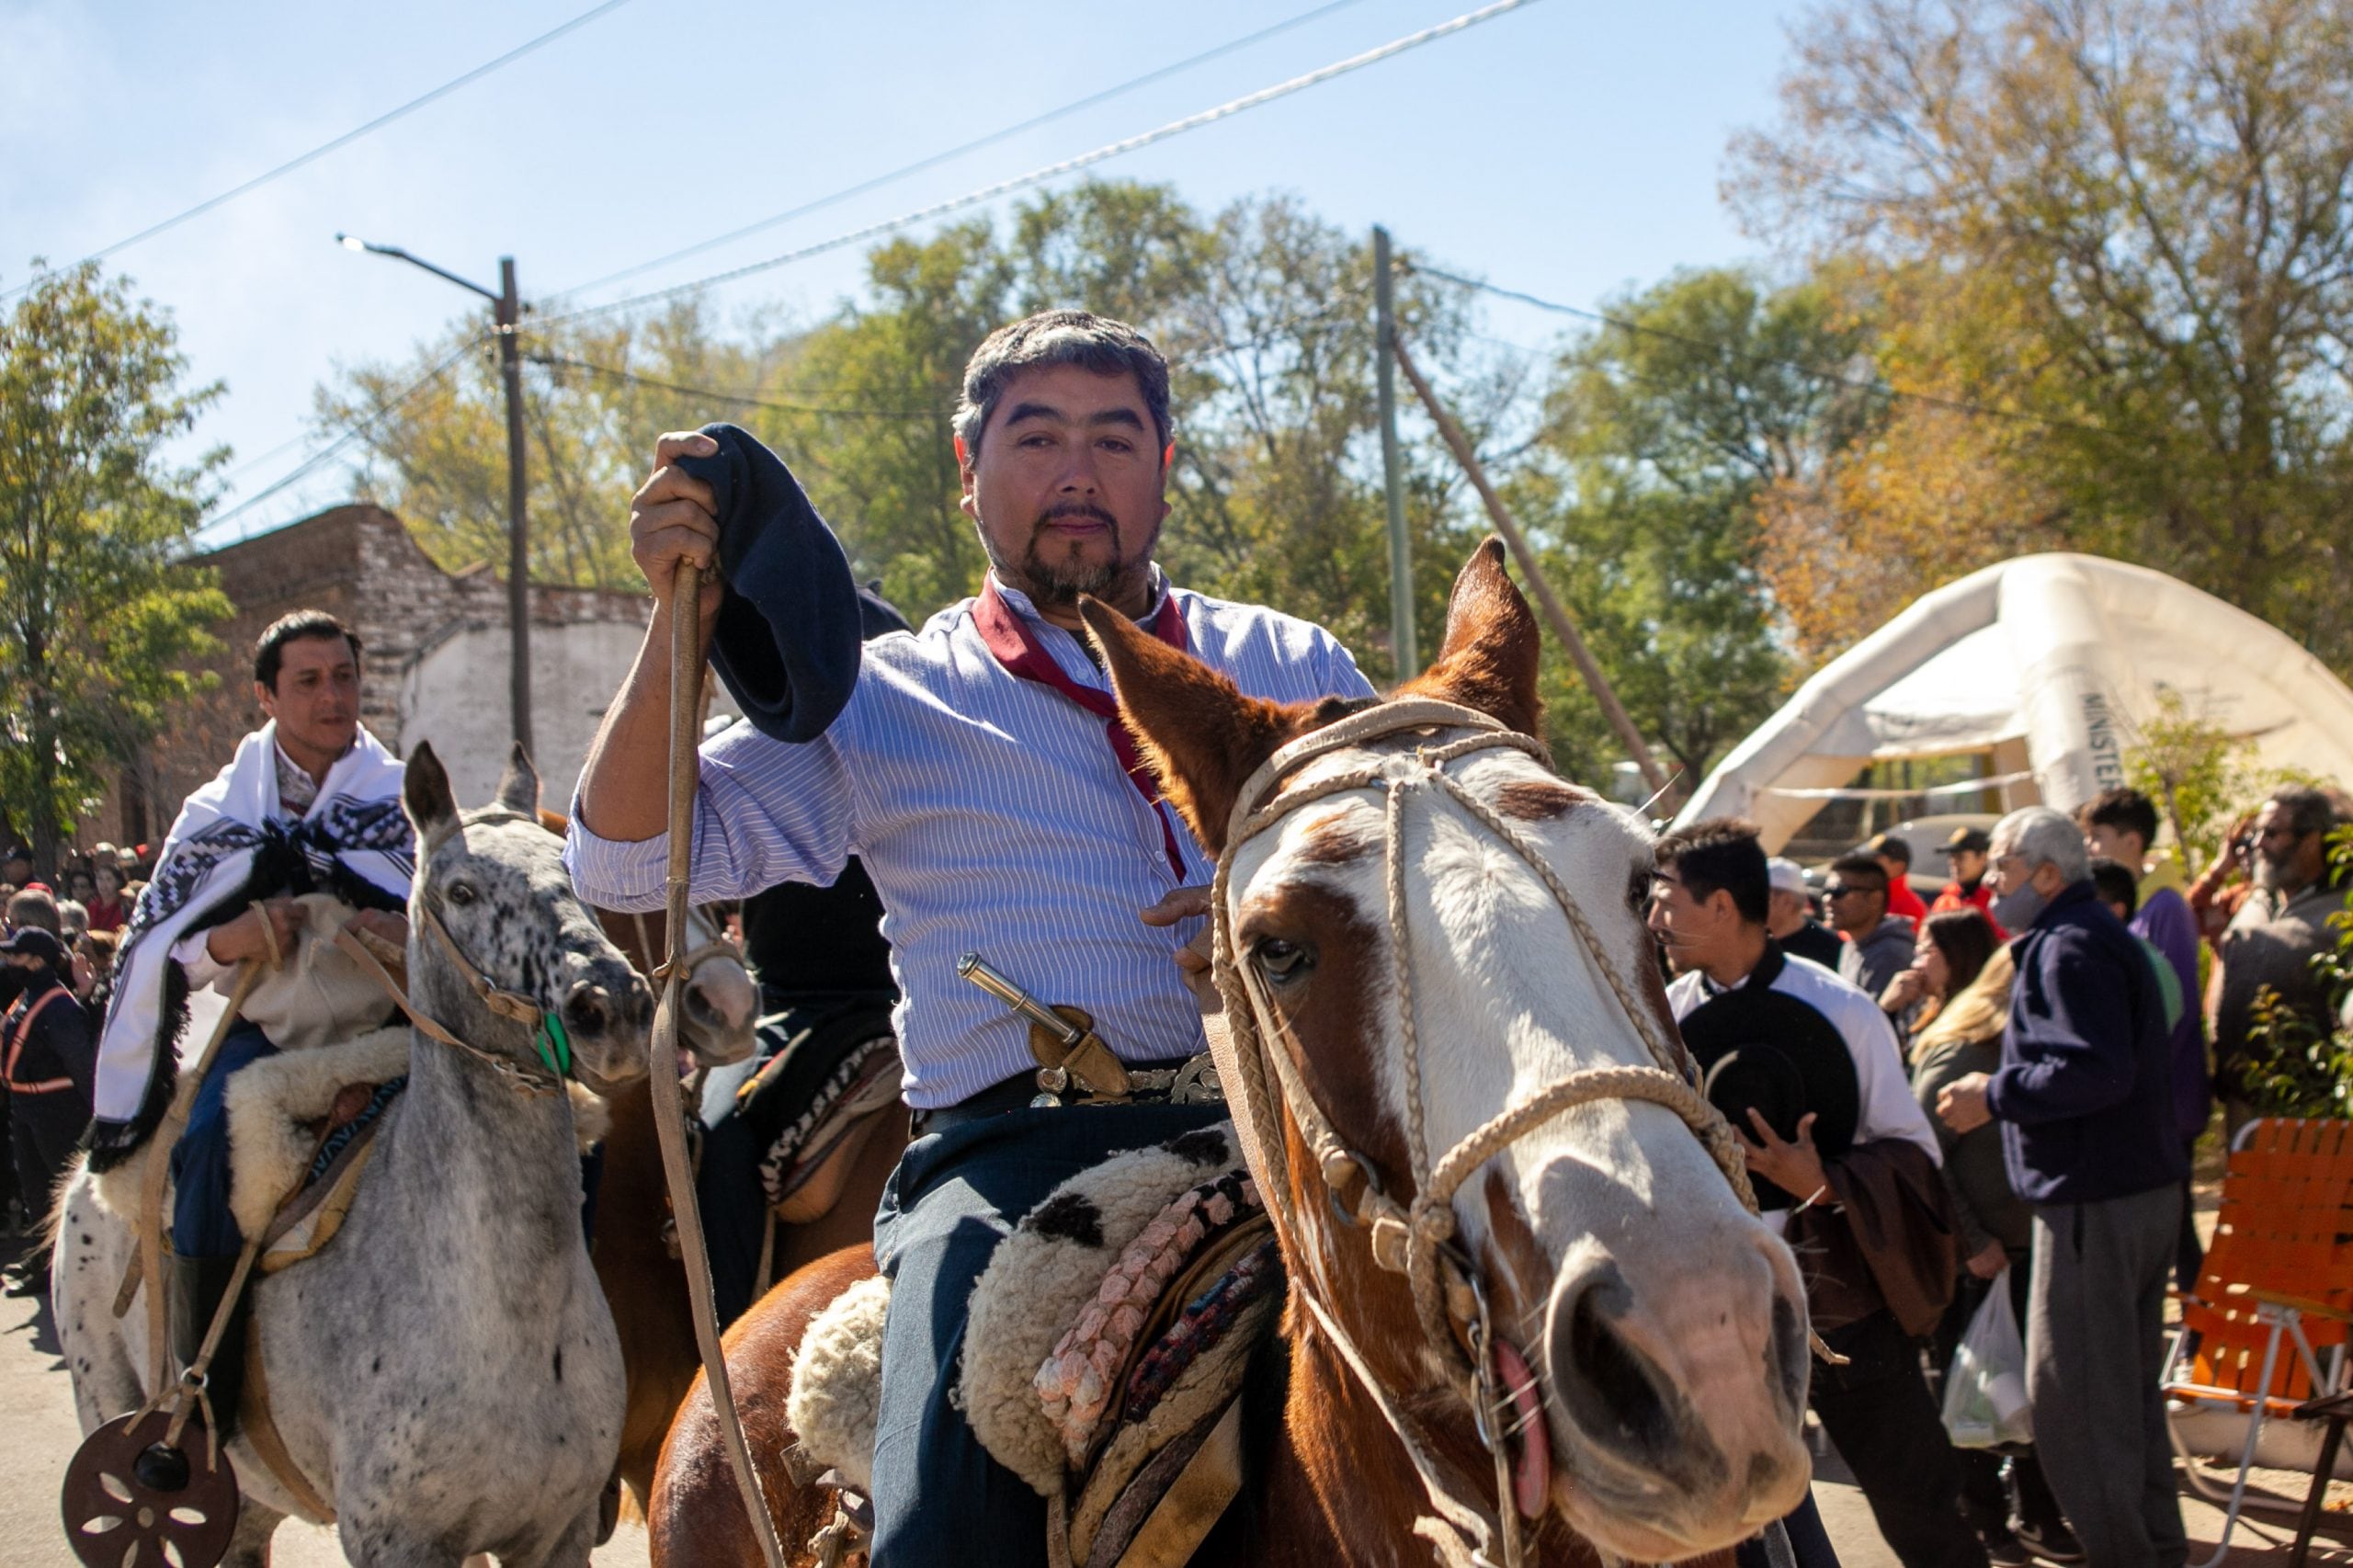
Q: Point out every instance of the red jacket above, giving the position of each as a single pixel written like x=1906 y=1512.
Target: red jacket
x=1903 y=903
x=1980 y=898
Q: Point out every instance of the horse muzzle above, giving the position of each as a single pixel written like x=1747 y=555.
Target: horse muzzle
x=613 y=1002
x=1676 y=1397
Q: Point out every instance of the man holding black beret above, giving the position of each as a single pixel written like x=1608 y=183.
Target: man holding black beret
x=1806 y=1067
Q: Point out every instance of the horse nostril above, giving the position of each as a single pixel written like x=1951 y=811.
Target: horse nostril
x=1612 y=1388
x=1789 y=1360
x=587 y=1010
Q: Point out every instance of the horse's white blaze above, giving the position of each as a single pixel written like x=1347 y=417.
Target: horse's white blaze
x=1506 y=997
x=1507 y=1000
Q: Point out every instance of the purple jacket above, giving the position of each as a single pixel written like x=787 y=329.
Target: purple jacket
x=2165 y=923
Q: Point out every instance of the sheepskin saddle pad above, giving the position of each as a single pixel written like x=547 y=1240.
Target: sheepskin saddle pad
x=1104 y=1346
x=302 y=1126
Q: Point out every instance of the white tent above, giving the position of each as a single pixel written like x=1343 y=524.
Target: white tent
x=2048 y=664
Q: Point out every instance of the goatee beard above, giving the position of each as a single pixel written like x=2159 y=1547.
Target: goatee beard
x=1059 y=583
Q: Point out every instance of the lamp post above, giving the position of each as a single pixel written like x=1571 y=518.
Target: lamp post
x=507 y=311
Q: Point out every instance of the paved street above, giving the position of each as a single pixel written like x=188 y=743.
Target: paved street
x=38 y=1433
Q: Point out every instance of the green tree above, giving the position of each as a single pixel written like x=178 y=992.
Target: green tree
x=103 y=614
x=1263 y=310
x=2128 y=225
x=1661 y=434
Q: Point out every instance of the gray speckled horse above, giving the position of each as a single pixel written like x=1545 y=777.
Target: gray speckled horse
x=445 y=1374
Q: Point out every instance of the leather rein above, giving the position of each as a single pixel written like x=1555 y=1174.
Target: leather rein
x=1418 y=1238
x=550 y=1042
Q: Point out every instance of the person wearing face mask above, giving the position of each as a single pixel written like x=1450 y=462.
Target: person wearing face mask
x=2085 y=1098
x=45 y=1052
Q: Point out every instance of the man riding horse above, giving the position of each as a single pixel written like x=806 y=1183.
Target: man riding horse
x=978 y=771
x=309 y=803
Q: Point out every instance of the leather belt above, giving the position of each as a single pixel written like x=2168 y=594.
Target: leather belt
x=1192 y=1081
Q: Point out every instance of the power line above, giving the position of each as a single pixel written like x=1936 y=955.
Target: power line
x=558 y=361
x=990 y=140
x=349 y=434
x=348 y=137
x=1068 y=165
x=1875 y=385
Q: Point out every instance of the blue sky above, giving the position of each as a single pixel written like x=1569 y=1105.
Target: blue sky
x=1570 y=148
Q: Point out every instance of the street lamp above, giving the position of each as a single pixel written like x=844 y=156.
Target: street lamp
x=506 y=312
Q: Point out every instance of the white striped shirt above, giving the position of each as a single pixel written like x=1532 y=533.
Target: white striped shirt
x=994 y=818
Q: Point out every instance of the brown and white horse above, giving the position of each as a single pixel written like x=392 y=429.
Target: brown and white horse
x=1437 y=962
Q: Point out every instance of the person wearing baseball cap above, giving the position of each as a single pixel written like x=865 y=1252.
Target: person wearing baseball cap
x=1789 y=916
x=1894 y=856
x=45 y=1060
x=1965 y=853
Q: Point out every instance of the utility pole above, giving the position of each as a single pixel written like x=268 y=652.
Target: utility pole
x=506 y=310
x=519 y=538
x=1605 y=696
x=1401 y=550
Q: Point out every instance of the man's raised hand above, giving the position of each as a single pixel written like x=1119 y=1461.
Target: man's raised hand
x=1193 y=958
x=233 y=941
x=674 y=517
x=1794 y=1166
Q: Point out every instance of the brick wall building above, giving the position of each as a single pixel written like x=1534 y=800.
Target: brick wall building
x=360 y=563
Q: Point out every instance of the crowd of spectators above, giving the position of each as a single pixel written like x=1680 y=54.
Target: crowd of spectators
x=2066 y=1038
x=59 y=933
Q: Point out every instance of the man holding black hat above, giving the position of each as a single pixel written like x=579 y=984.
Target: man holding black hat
x=1805 y=1066
x=45 y=1049
x=1965 y=855
x=977 y=769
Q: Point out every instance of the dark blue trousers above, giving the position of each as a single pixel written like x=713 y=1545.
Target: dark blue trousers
x=938 y=1497
x=201 y=1223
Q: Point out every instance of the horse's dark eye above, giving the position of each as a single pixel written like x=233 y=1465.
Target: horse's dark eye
x=1280 y=961
x=1638 y=891
x=460 y=894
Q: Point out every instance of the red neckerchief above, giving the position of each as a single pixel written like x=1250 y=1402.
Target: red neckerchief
x=1018 y=649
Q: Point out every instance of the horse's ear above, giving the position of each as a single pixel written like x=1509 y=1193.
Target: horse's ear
x=518 y=786
x=424 y=793
x=1492 y=648
x=1201 y=737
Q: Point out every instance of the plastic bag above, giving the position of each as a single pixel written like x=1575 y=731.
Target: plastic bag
x=1985 y=1403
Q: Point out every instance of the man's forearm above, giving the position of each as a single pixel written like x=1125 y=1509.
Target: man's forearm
x=625 y=785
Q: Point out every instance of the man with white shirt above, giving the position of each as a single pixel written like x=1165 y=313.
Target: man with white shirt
x=977 y=770
x=1868 y=1298
x=309 y=803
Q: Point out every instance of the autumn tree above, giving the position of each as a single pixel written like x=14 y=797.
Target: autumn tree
x=103 y=615
x=1264 y=312
x=2123 y=226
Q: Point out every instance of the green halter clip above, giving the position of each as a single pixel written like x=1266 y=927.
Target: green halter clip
x=553 y=1045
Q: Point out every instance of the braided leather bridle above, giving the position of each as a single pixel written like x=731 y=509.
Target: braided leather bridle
x=1416 y=1238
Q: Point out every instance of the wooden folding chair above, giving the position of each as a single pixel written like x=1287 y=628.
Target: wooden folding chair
x=2279 y=1275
